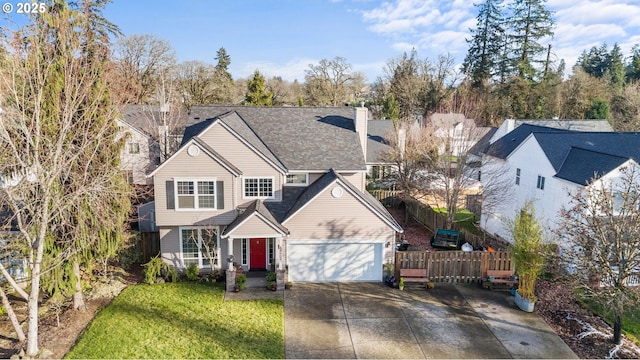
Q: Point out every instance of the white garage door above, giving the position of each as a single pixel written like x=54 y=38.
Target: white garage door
x=334 y=262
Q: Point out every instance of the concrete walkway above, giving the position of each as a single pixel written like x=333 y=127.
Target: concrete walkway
x=370 y=320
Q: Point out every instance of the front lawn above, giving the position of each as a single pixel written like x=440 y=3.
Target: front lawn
x=183 y=320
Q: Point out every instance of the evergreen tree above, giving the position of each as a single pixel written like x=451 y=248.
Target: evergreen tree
x=485 y=46
x=257 y=94
x=222 y=78
x=595 y=62
x=616 y=67
x=60 y=144
x=530 y=23
x=599 y=109
x=633 y=69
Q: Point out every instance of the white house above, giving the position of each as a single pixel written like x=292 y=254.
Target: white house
x=545 y=165
x=135 y=157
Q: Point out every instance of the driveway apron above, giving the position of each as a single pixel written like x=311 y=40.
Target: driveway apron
x=370 y=320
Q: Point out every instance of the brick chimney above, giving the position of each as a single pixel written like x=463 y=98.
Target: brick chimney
x=360 y=123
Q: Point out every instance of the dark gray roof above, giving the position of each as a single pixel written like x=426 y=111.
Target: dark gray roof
x=299 y=138
x=378 y=133
x=482 y=144
x=581 y=165
x=504 y=146
x=256 y=206
x=575 y=156
x=147 y=118
x=327 y=179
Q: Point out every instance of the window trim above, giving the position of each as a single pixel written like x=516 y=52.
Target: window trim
x=540 y=183
x=201 y=257
x=134 y=148
x=196 y=201
x=244 y=251
x=306 y=180
x=271 y=250
x=273 y=190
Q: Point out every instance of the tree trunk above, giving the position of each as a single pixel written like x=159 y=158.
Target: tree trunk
x=32 y=305
x=78 y=298
x=12 y=315
x=617 y=328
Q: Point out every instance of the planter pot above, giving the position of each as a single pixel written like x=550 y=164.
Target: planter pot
x=524 y=304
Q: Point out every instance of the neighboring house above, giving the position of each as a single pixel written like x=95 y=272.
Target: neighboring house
x=545 y=165
x=281 y=186
x=457 y=134
x=135 y=158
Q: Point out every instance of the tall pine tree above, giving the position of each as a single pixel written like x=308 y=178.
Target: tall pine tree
x=530 y=22
x=486 y=44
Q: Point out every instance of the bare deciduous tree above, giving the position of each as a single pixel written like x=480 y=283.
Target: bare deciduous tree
x=58 y=145
x=601 y=232
x=141 y=59
x=329 y=82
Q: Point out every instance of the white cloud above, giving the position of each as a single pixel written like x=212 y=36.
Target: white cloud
x=403 y=47
x=292 y=70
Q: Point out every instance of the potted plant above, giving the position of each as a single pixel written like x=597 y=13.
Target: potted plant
x=389 y=278
x=241 y=281
x=401 y=284
x=527 y=252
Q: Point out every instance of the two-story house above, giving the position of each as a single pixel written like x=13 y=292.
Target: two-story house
x=274 y=185
x=547 y=165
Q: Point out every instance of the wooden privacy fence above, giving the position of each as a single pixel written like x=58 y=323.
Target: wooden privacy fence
x=150 y=245
x=433 y=220
x=453 y=266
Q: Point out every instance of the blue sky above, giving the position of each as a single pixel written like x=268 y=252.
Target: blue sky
x=282 y=37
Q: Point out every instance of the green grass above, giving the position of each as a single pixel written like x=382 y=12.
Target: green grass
x=183 y=320
x=630 y=318
x=464 y=218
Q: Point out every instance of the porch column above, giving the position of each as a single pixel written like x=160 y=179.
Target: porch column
x=280 y=258
x=230 y=251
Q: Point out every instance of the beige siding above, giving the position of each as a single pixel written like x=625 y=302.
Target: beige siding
x=185 y=166
x=356 y=179
x=255 y=227
x=344 y=217
x=170 y=246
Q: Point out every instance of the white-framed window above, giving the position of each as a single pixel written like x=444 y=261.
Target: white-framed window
x=195 y=194
x=134 y=148
x=271 y=250
x=244 y=251
x=299 y=179
x=198 y=245
x=518 y=176
x=257 y=187
x=540 y=184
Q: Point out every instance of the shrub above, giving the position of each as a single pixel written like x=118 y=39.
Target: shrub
x=192 y=272
x=241 y=281
x=271 y=276
x=270 y=284
x=130 y=253
x=156 y=268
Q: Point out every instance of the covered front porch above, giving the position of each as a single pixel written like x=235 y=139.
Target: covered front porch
x=255 y=241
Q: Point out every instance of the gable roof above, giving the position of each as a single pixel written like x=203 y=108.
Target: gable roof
x=484 y=142
x=365 y=198
x=255 y=209
x=299 y=138
x=504 y=146
x=588 y=125
x=582 y=165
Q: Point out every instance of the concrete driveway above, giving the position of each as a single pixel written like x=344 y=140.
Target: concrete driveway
x=370 y=320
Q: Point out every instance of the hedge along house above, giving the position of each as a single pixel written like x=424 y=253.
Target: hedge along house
x=281 y=186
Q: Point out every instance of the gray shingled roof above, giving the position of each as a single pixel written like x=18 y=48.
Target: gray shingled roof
x=569 y=124
x=256 y=206
x=378 y=133
x=483 y=144
x=300 y=138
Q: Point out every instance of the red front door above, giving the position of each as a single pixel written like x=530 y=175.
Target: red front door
x=258 y=253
